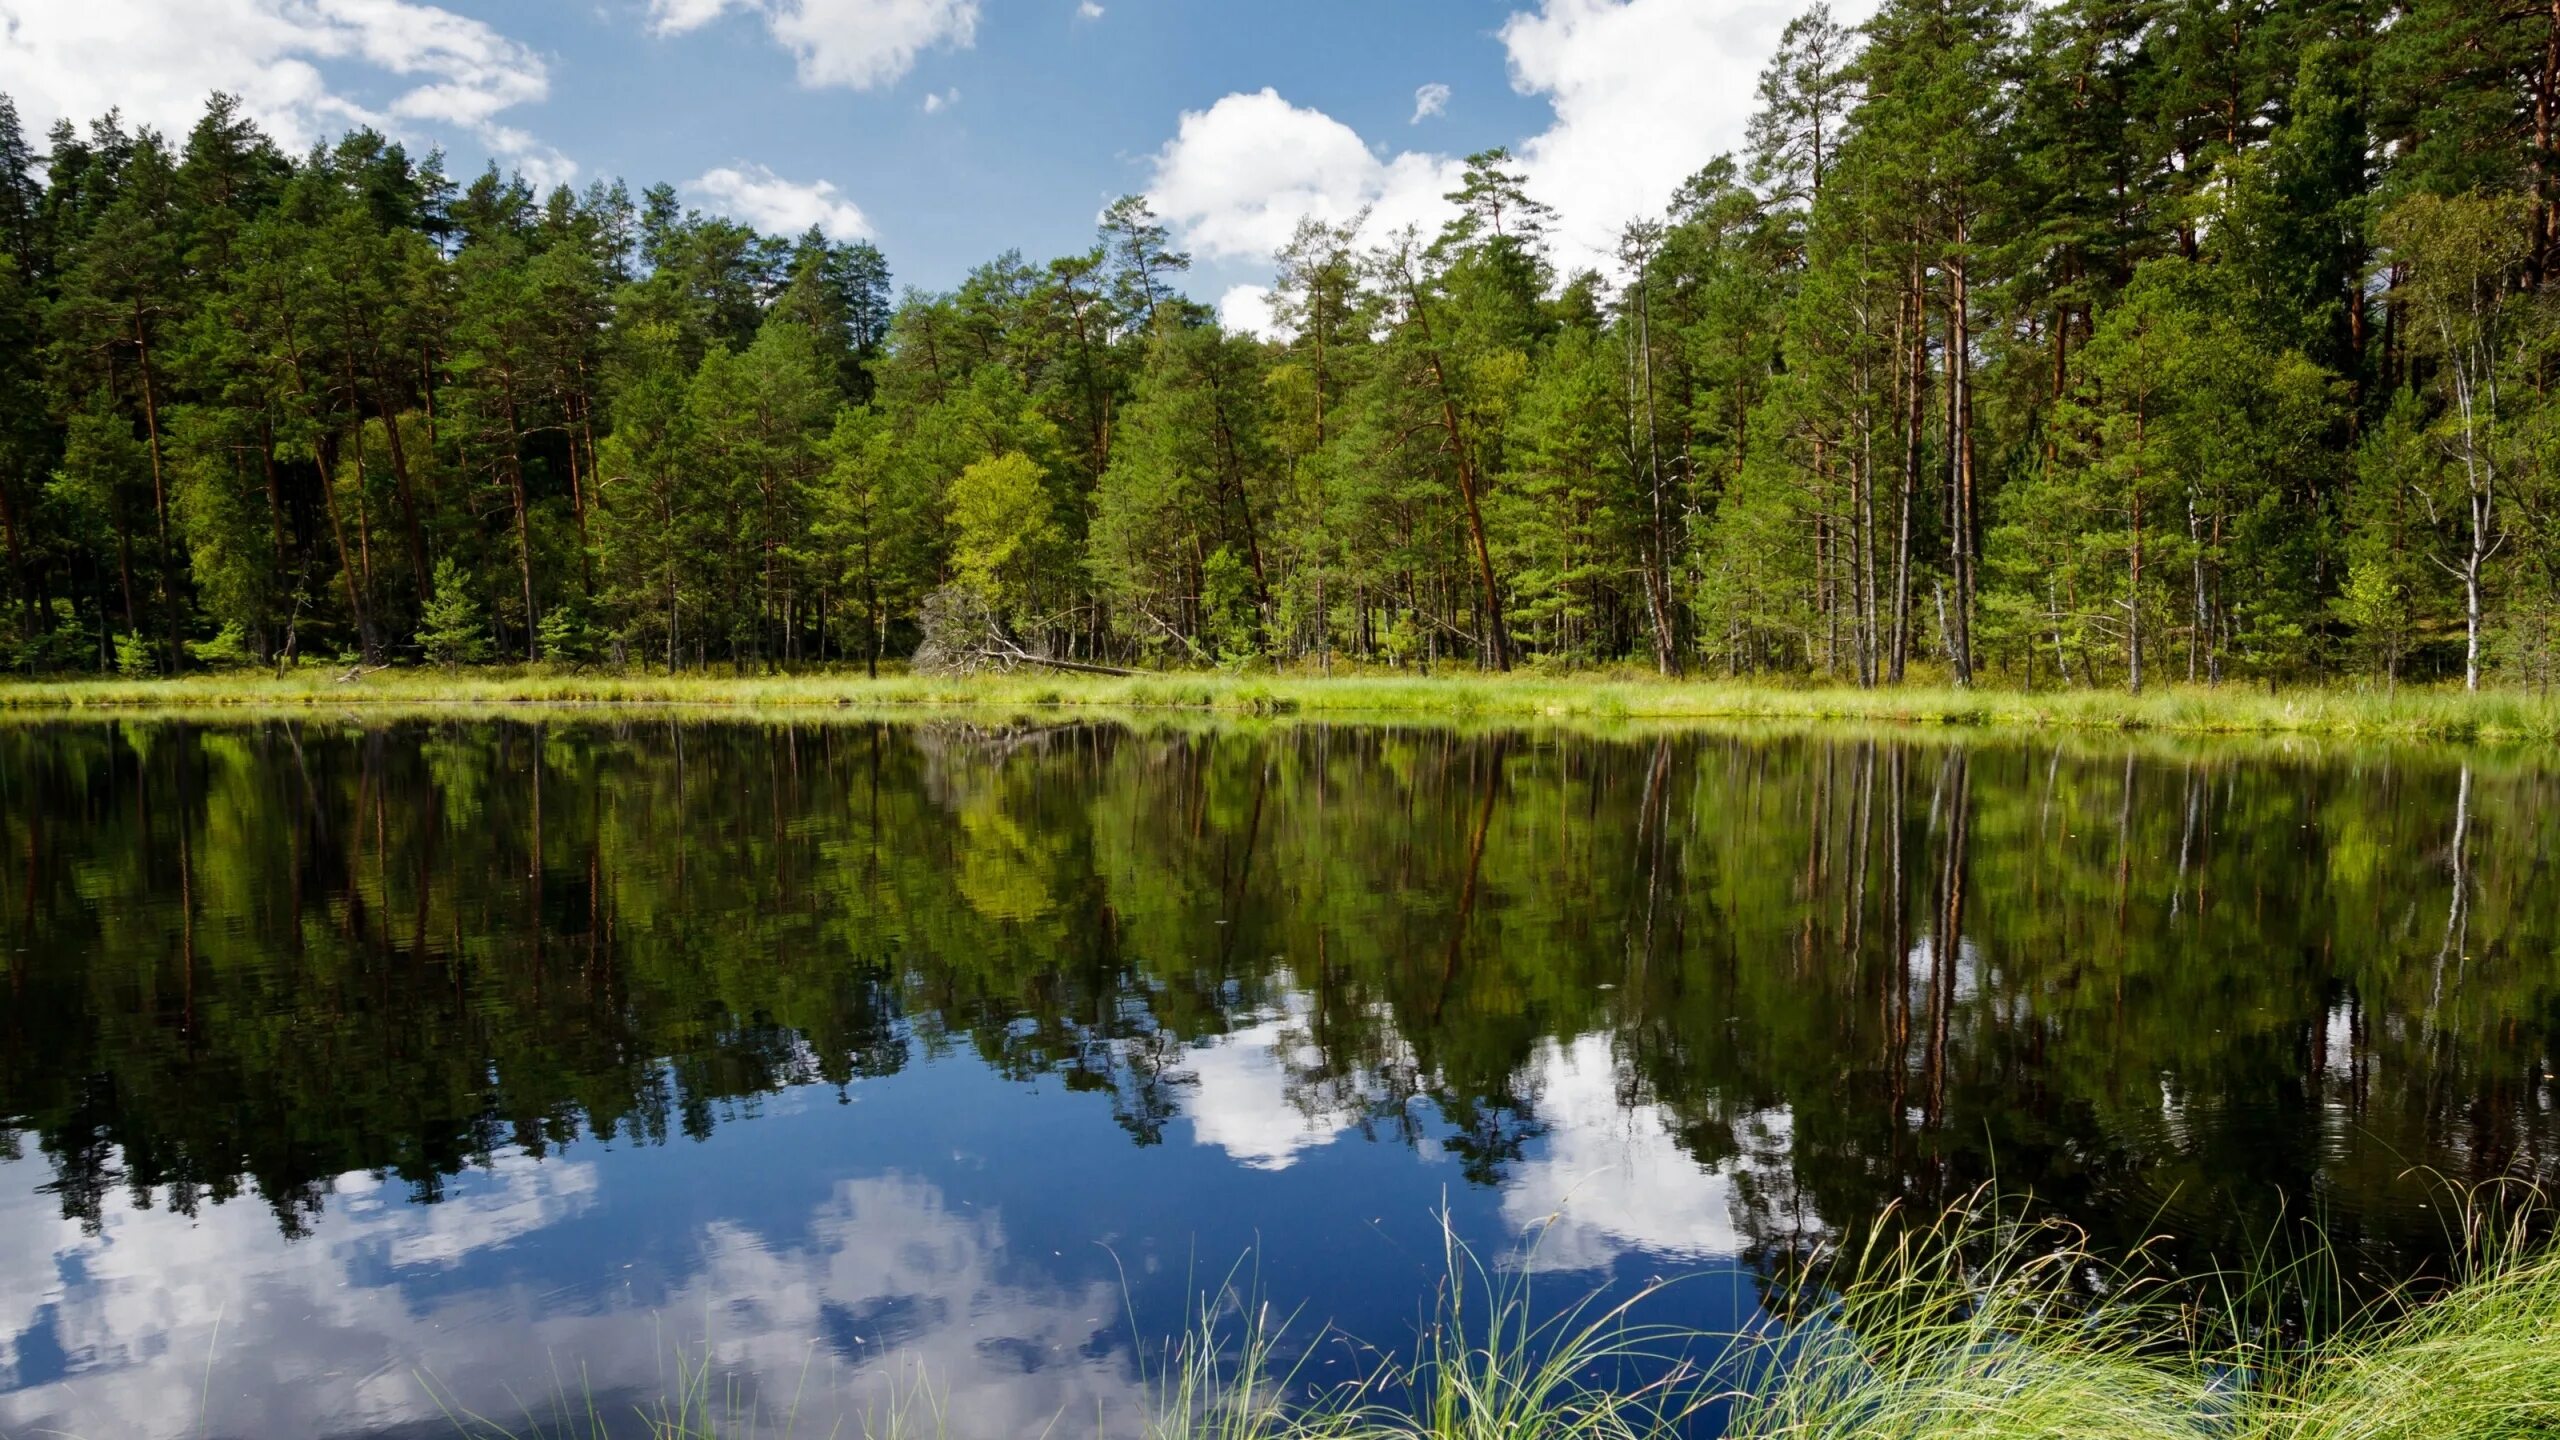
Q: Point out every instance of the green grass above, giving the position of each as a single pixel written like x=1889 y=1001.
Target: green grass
x=1976 y=1328
x=1943 y=1333
x=2411 y=713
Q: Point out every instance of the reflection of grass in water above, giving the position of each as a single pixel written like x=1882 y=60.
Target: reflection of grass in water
x=1606 y=698
x=1976 y=1327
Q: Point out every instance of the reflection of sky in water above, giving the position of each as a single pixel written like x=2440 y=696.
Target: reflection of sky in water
x=996 y=1237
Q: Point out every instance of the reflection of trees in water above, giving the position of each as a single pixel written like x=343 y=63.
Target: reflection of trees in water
x=2149 y=982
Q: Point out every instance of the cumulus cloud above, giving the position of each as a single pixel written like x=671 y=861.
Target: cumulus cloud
x=1088 y=10
x=1240 y=175
x=756 y=195
x=1616 y=72
x=675 y=17
x=1429 y=100
x=1643 y=93
x=287 y=60
x=857 y=44
x=937 y=101
x=1246 y=310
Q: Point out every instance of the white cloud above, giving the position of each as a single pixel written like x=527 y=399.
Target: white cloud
x=1615 y=71
x=157 y=60
x=937 y=101
x=1088 y=10
x=1246 y=310
x=765 y=200
x=1643 y=94
x=675 y=17
x=1240 y=175
x=1429 y=100
x=858 y=44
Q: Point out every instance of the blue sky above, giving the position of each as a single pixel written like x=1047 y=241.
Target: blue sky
x=949 y=130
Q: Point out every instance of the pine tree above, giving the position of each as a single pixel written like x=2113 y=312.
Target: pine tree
x=452 y=630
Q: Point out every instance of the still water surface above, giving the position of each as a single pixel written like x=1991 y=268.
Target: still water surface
x=335 y=1056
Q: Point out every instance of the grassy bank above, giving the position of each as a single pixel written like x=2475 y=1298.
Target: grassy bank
x=1967 y=1330
x=2497 y=716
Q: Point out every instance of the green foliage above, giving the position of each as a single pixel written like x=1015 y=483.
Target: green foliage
x=133 y=657
x=1226 y=604
x=452 y=630
x=227 y=649
x=1003 y=529
x=567 y=636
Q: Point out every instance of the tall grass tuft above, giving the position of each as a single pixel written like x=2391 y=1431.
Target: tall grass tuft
x=1489 y=1366
x=1988 y=1329
x=2480 y=1362
x=1979 y=1326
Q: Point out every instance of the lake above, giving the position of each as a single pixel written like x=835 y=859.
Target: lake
x=352 y=1070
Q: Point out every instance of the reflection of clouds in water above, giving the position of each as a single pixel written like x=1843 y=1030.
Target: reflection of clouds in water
x=885 y=1280
x=1610 y=1174
x=312 y=1342
x=1247 y=1102
x=300 y=1346
x=890 y=1270
x=301 y=1343
x=529 y=1196
x=33 y=1235
x=1608 y=1177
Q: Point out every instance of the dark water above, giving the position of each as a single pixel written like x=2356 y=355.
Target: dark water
x=334 y=1056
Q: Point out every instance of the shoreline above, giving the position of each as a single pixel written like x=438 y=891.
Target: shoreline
x=2498 y=717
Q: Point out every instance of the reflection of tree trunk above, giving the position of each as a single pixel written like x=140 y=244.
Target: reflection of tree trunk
x=2187 y=844
x=1897 y=1006
x=1232 y=900
x=27 y=926
x=1652 y=822
x=428 y=832
x=1812 y=883
x=1946 y=947
x=2124 y=845
x=595 y=890
x=1853 y=908
x=187 y=926
x=2457 y=920
x=27 y=912
x=1475 y=864
x=533 y=866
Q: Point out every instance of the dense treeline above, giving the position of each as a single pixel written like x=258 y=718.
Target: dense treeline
x=2076 y=345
